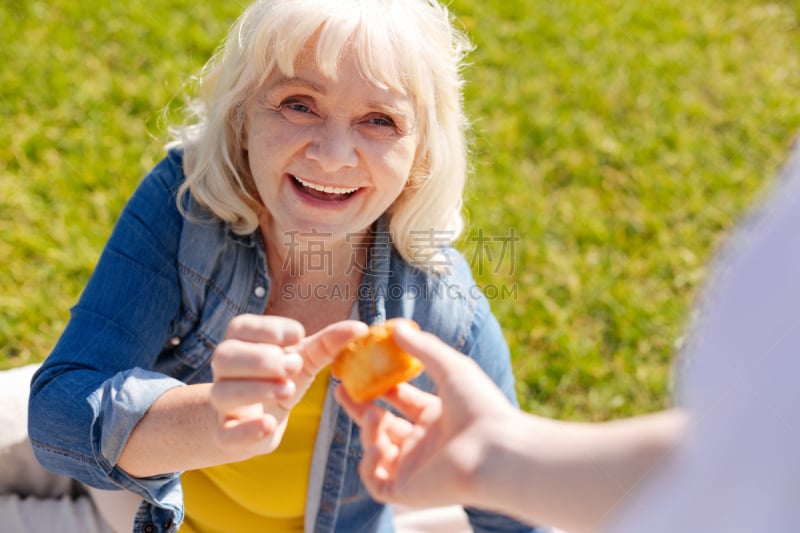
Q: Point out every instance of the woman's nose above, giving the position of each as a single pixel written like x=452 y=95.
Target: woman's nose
x=333 y=147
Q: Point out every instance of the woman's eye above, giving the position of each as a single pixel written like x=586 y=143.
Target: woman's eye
x=296 y=105
x=381 y=120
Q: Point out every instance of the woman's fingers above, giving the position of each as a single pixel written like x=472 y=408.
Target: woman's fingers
x=251 y=430
x=261 y=370
x=228 y=395
x=266 y=329
x=237 y=359
x=274 y=347
x=242 y=433
x=320 y=349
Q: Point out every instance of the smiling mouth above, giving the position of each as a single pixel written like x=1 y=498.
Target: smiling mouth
x=327 y=193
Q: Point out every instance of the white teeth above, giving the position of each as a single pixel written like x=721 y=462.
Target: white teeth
x=326 y=188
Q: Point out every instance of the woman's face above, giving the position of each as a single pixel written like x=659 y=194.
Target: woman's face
x=327 y=157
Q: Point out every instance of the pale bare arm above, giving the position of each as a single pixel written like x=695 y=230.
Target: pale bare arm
x=571 y=475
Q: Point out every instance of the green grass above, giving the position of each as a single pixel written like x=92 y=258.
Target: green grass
x=618 y=141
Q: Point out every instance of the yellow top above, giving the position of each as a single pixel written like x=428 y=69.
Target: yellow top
x=264 y=493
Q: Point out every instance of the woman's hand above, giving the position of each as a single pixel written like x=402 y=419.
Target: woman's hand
x=261 y=370
x=432 y=456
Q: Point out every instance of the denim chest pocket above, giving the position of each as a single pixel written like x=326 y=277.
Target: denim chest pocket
x=187 y=352
x=186 y=358
x=206 y=310
x=194 y=353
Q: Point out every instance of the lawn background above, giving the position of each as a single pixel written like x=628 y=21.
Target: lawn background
x=615 y=144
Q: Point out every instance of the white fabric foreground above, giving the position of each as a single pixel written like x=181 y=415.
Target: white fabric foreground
x=64 y=515
x=437 y=520
x=20 y=473
x=68 y=515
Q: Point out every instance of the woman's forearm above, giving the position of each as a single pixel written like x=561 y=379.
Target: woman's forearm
x=177 y=433
x=573 y=475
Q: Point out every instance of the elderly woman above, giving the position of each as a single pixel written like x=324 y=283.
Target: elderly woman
x=320 y=181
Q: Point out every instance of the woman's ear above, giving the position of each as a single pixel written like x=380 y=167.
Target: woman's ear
x=419 y=175
x=237 y=123
x=243 y=137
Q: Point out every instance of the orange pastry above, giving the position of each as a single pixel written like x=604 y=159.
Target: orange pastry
x=371 y=364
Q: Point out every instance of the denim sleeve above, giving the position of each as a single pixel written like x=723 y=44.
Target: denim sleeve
x=491 y=352
x=94 y=387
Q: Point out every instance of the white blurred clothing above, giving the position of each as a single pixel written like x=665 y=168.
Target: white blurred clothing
x=738 y=470
x=20 y=473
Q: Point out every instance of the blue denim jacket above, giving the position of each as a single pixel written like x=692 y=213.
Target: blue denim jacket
x=158 y=304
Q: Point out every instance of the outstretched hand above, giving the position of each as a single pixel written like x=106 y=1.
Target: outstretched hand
x=261 y=371
x=429 y=457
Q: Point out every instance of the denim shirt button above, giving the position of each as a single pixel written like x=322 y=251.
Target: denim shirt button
x=149 y=528
x=175 y=341
x=168 y=525
x=260 y=292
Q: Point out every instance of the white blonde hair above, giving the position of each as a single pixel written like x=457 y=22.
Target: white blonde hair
x=406 y=45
